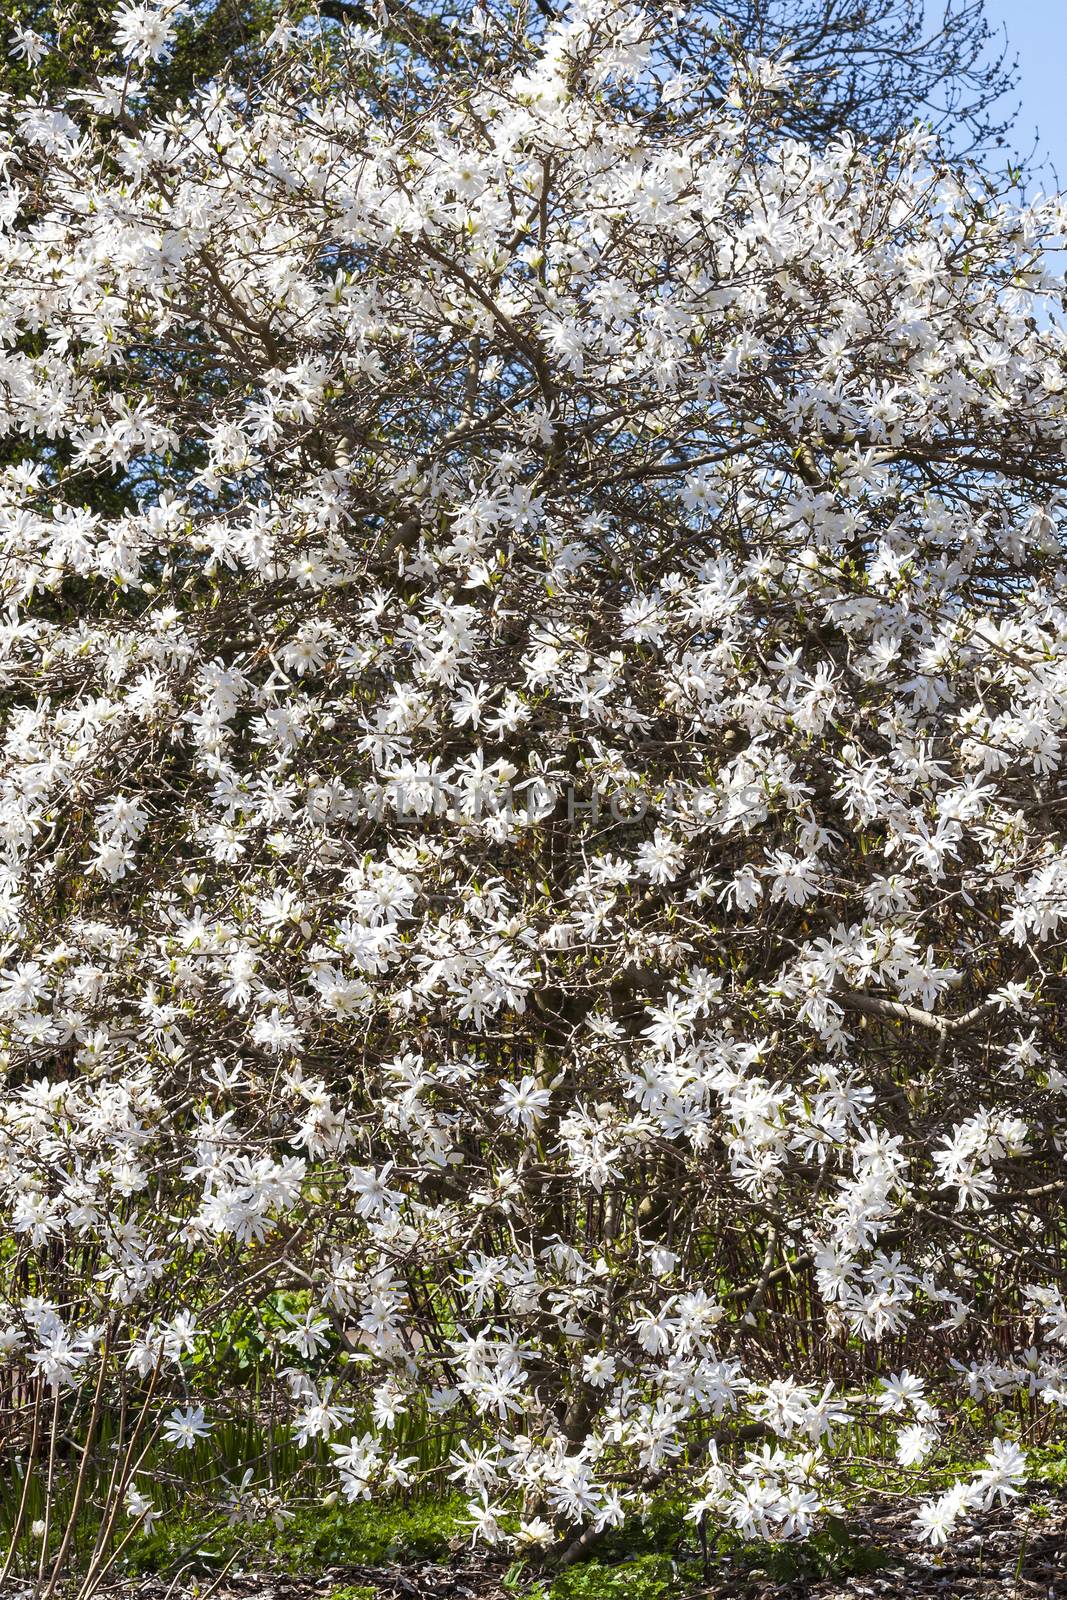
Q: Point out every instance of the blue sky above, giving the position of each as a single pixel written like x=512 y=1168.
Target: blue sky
x=1037 y=34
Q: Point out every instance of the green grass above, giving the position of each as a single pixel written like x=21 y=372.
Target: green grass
x=657 y=1553
x=1049 y=1466
x=647 y=1577
x=369 y=1535
x=186 y=1487
x=364 y=1534
x=654 y=1556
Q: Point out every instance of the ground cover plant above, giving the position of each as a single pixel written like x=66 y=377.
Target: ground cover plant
x=534 y=876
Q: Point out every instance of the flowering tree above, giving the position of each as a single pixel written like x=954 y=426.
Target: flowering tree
x=535 y=670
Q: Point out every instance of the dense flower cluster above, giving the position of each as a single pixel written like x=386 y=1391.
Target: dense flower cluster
x=534 y=657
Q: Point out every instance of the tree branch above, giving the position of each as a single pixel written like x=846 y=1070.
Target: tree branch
x=898 y=1011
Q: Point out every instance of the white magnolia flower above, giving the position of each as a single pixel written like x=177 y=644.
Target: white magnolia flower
x=185 y=1426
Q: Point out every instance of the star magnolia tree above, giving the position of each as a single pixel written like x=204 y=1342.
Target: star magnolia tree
x=534 y=876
